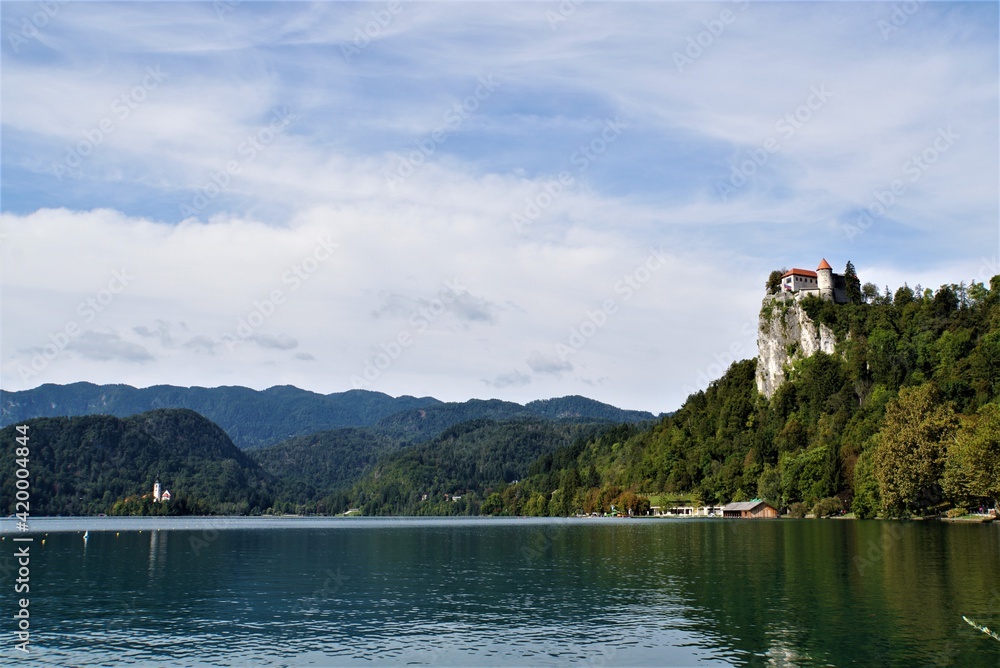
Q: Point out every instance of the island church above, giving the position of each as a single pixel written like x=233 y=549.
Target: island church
x=158 y=494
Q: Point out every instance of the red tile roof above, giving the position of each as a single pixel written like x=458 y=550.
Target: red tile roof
x=799 y=272
x=824 y=265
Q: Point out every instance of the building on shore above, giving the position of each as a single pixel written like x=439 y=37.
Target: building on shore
x=749 y=510
x=686 y=511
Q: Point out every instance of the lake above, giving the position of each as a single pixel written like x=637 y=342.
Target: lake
x=507 y=592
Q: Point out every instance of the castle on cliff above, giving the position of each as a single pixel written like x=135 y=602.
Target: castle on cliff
x=823 y=283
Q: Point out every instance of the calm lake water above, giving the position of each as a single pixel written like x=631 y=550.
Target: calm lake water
x=508 y=592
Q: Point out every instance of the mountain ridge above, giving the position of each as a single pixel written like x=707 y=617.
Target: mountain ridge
x=258 y=418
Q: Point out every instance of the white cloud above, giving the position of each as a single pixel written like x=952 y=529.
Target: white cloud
x=300 y=251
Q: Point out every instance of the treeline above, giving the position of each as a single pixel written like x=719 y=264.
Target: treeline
x=454 y=473
x=102 y=464
x=902 y=420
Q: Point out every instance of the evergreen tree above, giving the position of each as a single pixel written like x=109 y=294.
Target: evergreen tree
x=853 y=284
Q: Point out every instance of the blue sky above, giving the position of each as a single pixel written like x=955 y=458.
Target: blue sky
x=472 y=199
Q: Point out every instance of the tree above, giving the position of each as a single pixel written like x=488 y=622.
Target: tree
x=774 y=281
x=537 y=506
x=493 y=505
x=909 y=456
x=769 y=486
x=866 y=499
x=972 y=470
x=853 y=285
x=869 y=292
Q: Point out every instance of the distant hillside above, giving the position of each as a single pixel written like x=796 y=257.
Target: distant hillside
x=421 y=424
x=252 y=418
x=469 y=460
x=313 y=466
x=83 y=465
x=257 y=418
x=576 y=407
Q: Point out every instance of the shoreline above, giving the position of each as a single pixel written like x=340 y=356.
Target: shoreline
x=208 y=523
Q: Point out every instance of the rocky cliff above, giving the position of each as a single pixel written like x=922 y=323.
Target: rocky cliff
x=786 y=334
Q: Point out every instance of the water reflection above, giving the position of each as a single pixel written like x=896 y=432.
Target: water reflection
x=535 y=593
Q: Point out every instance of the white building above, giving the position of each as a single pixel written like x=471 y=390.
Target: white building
x=823 y=283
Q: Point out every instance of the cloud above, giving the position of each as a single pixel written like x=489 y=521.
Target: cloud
x=451 y=300
x=530 y=208
x=304 y=356
x=513 y=379
x=108 y=346
x=161 y=333
x=548 y=364
x=280 y=342
x=202 y=344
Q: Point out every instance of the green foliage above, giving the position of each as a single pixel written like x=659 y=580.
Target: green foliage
x=866 y=501
x=828 y=507
x=256 y=419
x=316 y=466
x=773 y=285
x=972 y=470
x=825 y=432
x=910 y=455
x=902 y=419
x=87 y=465
x=797 y=510
x=477 y=460
x=853 y=285
x=251 y=418
x=769 y=486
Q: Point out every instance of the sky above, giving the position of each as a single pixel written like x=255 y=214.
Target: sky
x=463 y=200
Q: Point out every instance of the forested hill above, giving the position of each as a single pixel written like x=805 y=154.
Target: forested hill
x=257 y=418
x=252 y=418
x=104 y=464
x=456 y=472
x=902 y=419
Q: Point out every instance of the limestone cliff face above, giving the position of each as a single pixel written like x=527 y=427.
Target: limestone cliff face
x=786 y=334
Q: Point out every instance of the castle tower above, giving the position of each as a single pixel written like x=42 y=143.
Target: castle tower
x=156 y=490
x=824 y=280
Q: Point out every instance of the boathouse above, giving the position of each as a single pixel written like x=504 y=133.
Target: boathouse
x=749 y=510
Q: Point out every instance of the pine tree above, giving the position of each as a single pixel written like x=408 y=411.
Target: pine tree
x=853 y=284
